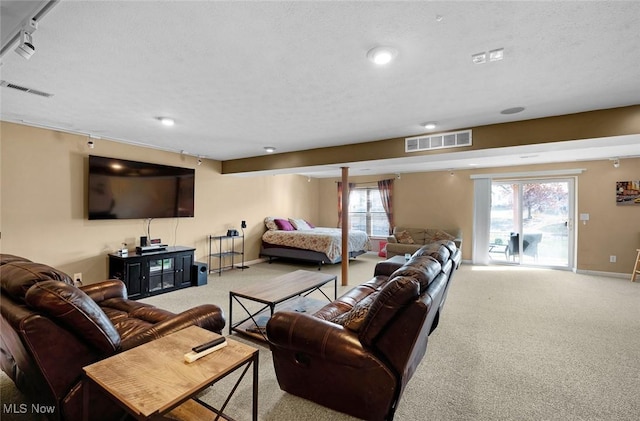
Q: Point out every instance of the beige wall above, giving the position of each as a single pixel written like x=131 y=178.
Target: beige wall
x=43 y=204
x=43 y=209
x=438 y=199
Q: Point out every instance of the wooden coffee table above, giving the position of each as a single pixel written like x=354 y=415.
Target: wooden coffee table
x=288 y=292
x=153 y=379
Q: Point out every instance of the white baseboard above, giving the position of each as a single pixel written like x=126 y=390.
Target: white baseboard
x=607 y=274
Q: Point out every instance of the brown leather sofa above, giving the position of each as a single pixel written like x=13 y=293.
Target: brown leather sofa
x=357 y=353
x=50 y=329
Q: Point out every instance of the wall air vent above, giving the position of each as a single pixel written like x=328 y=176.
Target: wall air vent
x=438 y=141
x=6 y=84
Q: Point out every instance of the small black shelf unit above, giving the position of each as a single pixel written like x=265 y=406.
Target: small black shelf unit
x=224 y=252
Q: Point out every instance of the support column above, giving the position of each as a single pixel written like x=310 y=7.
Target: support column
x=345 y=226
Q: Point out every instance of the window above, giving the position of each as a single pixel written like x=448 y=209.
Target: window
x=366 y=212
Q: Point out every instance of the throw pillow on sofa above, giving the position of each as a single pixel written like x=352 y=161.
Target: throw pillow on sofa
x=354 y=318
x=442 y=235
x=404 y=237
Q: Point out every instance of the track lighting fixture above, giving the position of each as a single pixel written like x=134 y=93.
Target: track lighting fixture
x=90 y=144
x=199 y=161
x=616 y=163
x=26 y=47
x=398 y=176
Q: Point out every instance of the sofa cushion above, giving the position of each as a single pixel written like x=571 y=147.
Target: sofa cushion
x=10 y=258
x=18 y=276
x=73 y=308
x=354 y=318
x=404 y=237
x=438 y=235
x=435 y=250
x=423 y=269
x=345 y=302
x=396 y=294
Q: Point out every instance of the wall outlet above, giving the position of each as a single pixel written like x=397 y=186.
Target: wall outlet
x=612 y=259
x=77 y=278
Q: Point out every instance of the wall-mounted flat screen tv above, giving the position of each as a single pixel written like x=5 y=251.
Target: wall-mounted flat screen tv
x=122 y=189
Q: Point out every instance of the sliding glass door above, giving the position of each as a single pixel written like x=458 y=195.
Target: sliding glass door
x=531 y=222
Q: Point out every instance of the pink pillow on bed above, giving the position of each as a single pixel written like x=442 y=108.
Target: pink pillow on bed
x=284 y=225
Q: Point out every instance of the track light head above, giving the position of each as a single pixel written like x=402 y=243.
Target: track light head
x=26 y=47
x=616 y=163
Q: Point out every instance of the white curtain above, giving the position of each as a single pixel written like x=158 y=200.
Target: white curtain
x=481 y=220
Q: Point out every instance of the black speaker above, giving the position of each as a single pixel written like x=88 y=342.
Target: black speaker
x=143 y=241
x=199 y=273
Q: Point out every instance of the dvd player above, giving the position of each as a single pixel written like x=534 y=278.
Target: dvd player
x=151 y=248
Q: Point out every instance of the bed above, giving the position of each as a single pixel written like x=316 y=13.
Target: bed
x=300 y=240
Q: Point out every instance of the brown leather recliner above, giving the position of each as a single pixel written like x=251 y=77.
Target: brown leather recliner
x=50 y=329
x=357 y=354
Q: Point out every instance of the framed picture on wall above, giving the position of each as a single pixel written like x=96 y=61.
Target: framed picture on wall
x=628 y=193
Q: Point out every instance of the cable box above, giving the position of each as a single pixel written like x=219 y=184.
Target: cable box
x=149 y=249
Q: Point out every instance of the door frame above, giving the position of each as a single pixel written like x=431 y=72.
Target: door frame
x=571 y=217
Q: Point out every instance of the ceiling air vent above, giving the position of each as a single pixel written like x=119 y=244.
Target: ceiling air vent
x=438 y=141
x=6 y=84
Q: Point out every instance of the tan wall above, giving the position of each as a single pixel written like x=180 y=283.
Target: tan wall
x=43 y=209
x=438 y=199
x=587 y=125
x=43 y=204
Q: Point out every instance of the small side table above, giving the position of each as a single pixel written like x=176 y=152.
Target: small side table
x=153 y=379
x=221 y=254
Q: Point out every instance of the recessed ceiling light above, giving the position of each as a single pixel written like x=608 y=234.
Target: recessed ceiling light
x=382 y=55
x=269 y=149
x=513 y=110
x=429 y=126
x=479 y=58
x=495 y=55
x=166 y=121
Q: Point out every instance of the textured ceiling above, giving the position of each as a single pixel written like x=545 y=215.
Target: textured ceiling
x=238 y=76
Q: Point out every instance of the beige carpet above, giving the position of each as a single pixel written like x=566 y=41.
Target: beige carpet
x=513 y=344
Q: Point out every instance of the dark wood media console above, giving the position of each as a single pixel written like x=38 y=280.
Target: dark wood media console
x=154 y=272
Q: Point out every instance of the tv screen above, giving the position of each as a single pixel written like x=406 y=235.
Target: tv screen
x=122 y=189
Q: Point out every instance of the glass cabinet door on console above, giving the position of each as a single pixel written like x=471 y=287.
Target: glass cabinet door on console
x=161 y=274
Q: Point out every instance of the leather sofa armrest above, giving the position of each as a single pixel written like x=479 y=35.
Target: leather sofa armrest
x=206 y=316
x=100 y=291
x=71 y=307
x=392 y=239
x=299 y=332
